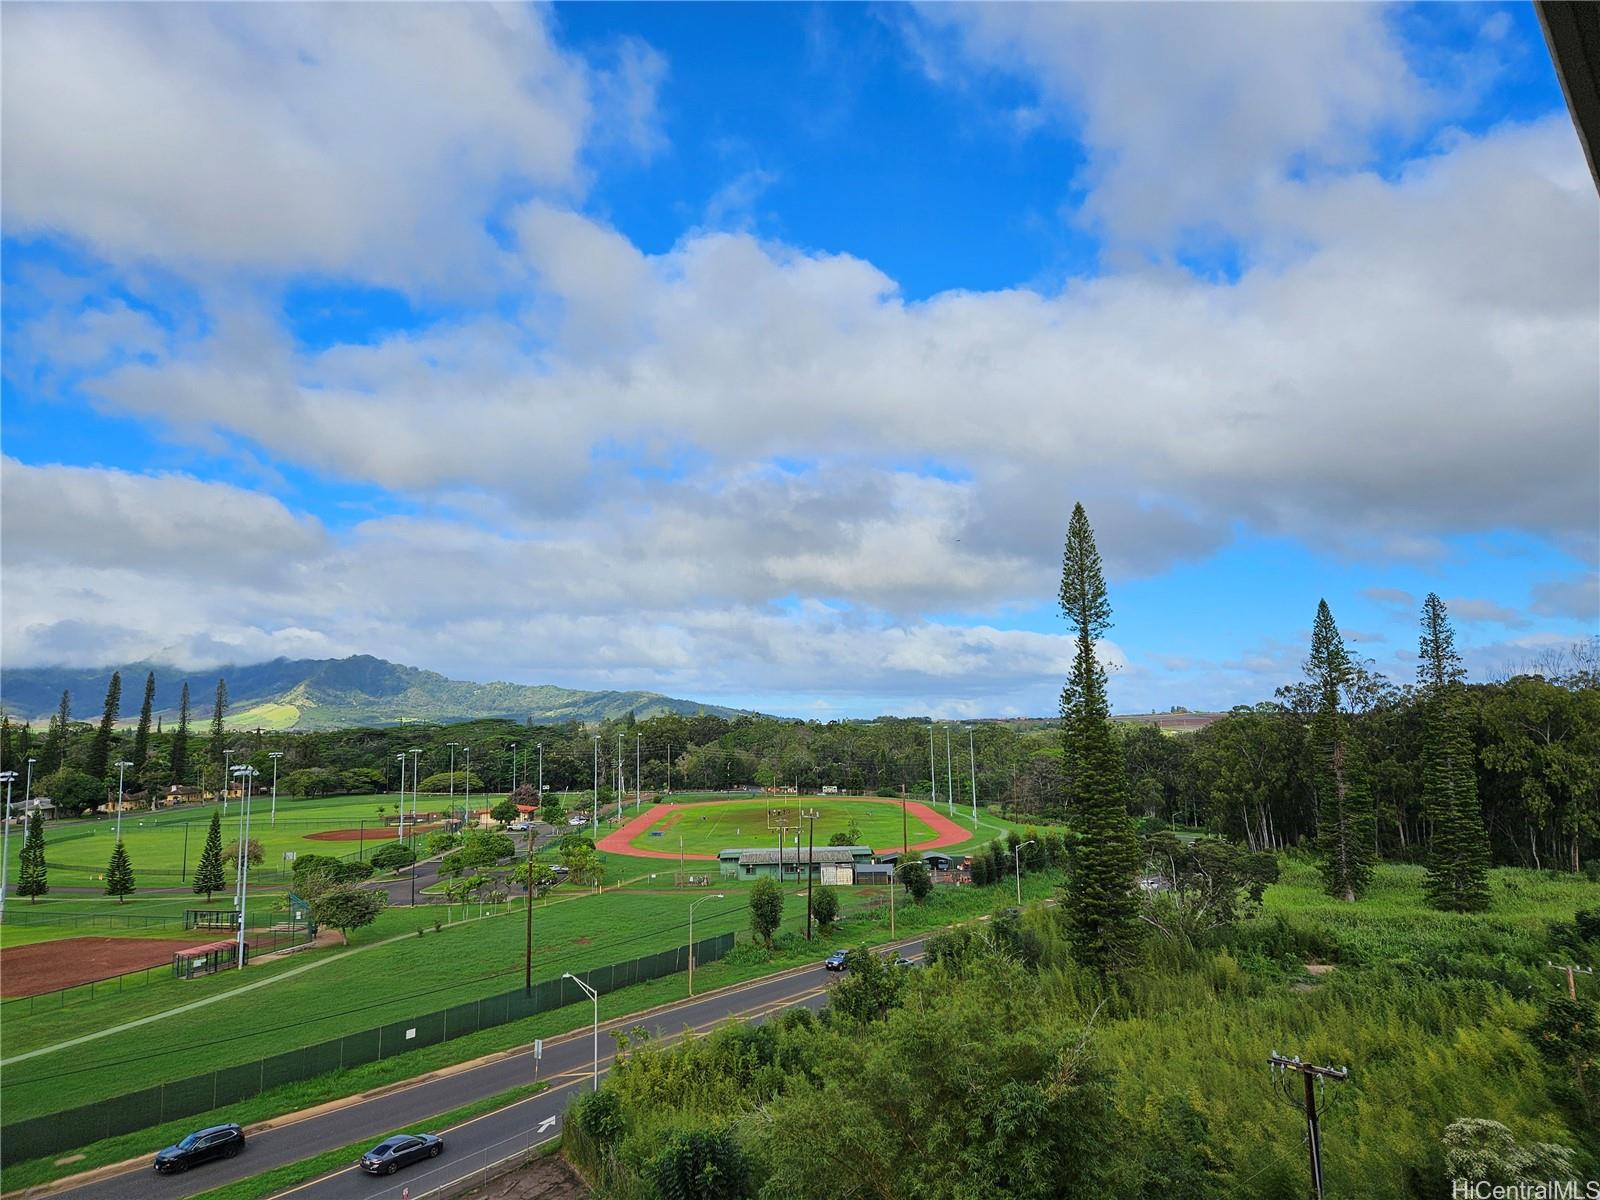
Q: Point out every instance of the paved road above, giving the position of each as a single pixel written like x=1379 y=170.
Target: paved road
x=567 y=1065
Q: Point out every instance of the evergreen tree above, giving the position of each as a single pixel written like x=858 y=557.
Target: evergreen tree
x=119 y=874
x=1102 y=899
x=100 y=748
x=214 y=747
x=180 y=739
x=5 y=741
x=208 y=876
x=34 y=880
x=1338 y=769
x=141 y=737
x=1458 y=866
x=54 y=755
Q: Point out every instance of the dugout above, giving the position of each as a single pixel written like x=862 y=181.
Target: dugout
x=205 y=959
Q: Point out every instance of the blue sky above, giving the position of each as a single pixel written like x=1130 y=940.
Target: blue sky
x=758 y=352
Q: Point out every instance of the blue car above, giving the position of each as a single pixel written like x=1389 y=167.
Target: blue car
x=834 y=961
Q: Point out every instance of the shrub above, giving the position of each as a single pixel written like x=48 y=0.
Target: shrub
x=701 y=1164
x=825 y=908
x=391 y=856
x=766 y=909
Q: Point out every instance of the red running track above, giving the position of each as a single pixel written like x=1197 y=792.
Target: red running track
x=946 y=832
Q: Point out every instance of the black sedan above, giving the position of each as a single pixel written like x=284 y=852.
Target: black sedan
x=403 y=1149
x=215 y=1141
x=834 y=961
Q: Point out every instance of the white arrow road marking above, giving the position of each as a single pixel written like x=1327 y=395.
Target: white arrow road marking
x=545 y=1124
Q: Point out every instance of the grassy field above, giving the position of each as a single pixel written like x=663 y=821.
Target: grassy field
x=708 y=827
x=164 y=846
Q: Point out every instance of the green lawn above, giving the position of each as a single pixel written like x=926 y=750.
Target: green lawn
x=708 y=827
x=164 y=846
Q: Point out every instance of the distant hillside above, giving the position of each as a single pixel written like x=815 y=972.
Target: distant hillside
x=332 y=693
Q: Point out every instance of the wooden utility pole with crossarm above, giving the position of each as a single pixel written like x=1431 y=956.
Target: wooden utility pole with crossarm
x=1310 y=1073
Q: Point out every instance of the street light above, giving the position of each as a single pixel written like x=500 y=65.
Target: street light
x=275 y=755
x=5 y=854
x=27 y=788
x=416 y=775
x=1018 y=855
x=702 y=900
x=595 y=996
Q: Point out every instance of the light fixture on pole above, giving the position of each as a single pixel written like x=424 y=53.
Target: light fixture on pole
x=122 y=765
x=972 y=774
x=1018 y=856
x=702 y=900
x=402 y=760
x=27 y=787
x=247 y=773
x=453 y=746
x=275 y=755
x=415 y=776
x=5 y=853
x=595 y=996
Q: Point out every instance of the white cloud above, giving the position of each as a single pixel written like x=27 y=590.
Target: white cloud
x=1189 y=112
x=364 y=138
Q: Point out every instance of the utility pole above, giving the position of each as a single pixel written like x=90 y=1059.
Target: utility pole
x=527 y=947
x=453 y=746
x=638 y=785
x=933 y=771
x=1573 y=971
x=811 y=854
x=619 y=779
x=594 y=806
x=972 y=774
x=1283 y=1070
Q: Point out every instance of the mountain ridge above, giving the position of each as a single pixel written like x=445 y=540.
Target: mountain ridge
x=326 y=693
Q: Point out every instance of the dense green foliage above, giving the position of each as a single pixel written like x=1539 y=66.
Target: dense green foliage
x=1005 y=1068
x=345 y=907
x=825 y=908
x=766 y=909
x=391 y=856
x=1101 y=897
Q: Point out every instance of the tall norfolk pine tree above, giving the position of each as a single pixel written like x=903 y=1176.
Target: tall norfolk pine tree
x=208 y=875
x=100 y=748
x=1338 y=771
x=34 y=880
x=119 y=874
x=141 y=737
x=180 y=739
x=1102 y=900
x=214 y=747
x=54 y=755
x=1458 y=866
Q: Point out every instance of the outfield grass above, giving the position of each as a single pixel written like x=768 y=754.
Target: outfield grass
x=707 y=828
x=76 y=851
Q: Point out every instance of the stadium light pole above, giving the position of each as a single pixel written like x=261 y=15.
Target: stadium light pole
x=415 y=776
x=453 y=746
x=595 y=996
x=402 y=759
x=466 y=805
x=594 y=808
x=275 y=755
x=227 y=769
x=122 y=765
x=1018 y=855
x=27 y=787
x=949 y=784
x=972 y=774
x=638 y=786
x=541 y=774
x=248 y=773
x=513 y=766
x=933 y=772
x=619 y=779
x=702 y=900
x=5 y=852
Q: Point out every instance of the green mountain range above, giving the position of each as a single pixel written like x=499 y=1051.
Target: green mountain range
x=328 y=693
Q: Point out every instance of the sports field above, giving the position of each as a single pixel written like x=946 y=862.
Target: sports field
x=164 y=846
x=699 y=830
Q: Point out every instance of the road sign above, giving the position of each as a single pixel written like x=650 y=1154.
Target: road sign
x=538 y=1048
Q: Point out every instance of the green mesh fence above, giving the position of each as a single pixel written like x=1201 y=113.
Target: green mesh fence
x=54 y=1133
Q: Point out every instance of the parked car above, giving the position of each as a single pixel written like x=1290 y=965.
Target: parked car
x=577 y=819
x=834 y=961
x=521 y=826
x=901 y=961
x=215 y=1141
x=403 y=1149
